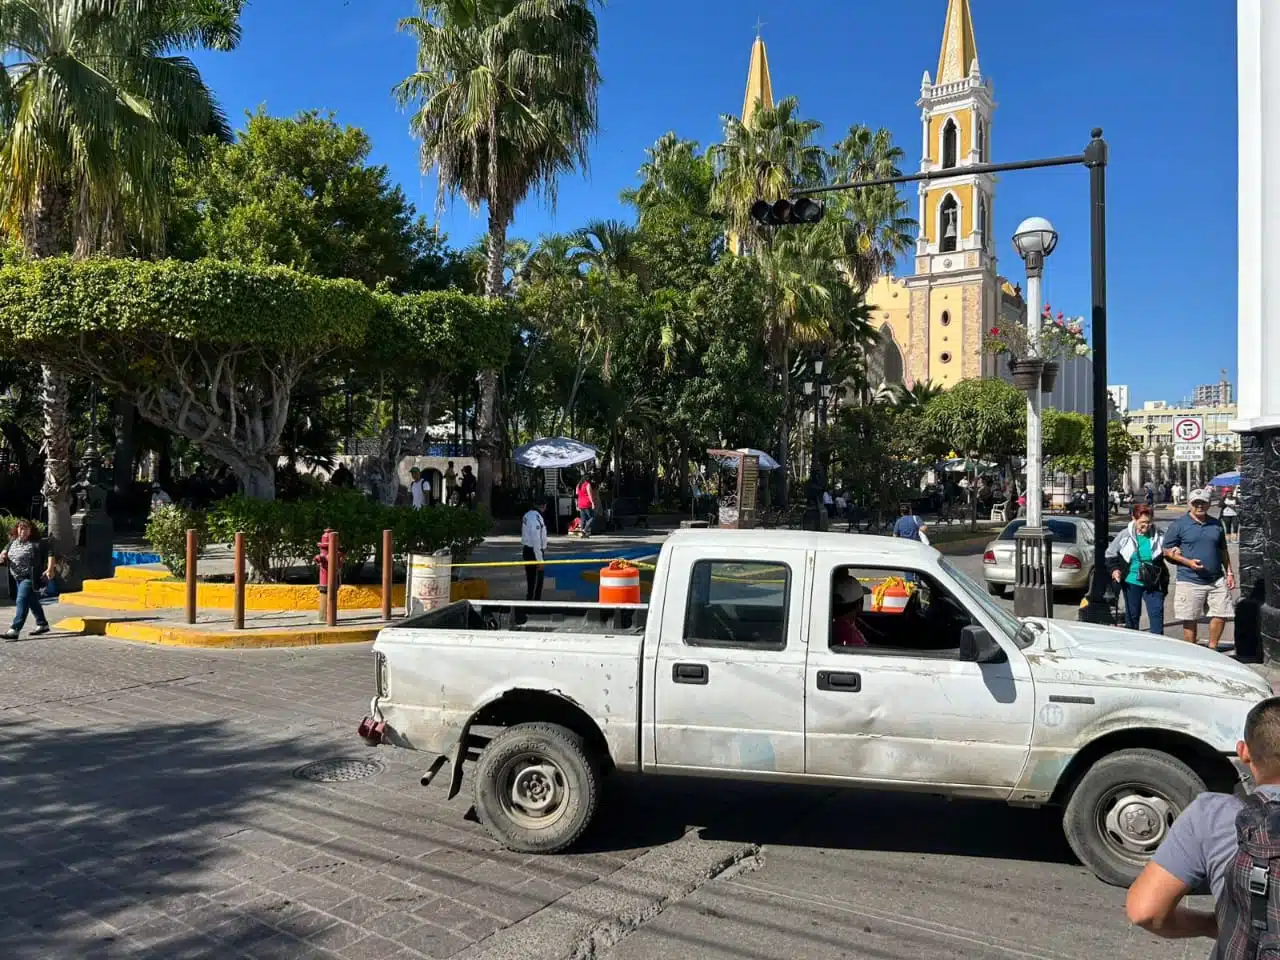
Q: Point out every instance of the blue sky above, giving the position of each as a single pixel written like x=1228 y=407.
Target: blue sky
x=1157 y=75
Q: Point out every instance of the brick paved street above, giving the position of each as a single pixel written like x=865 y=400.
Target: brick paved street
x=150 y=811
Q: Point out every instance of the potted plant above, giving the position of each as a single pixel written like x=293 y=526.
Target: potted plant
x=1060 y=337
x=1012 y=343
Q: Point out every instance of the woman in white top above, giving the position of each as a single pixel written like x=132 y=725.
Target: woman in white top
x=533 y=542
x=1230 y=518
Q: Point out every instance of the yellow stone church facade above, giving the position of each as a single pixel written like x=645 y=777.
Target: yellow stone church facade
x=931 y=322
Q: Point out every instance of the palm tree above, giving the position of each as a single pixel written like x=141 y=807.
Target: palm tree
x=675 y=173
x=765 y=159
x=506 y=100
x=95 y=103
x=610 y=247
x=875 y=228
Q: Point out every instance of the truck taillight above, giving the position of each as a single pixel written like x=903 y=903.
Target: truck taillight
x=989 y=557
x=381 y=681
x=1069 y=562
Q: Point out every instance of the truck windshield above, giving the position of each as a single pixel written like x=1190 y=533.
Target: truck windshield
x=978 y=594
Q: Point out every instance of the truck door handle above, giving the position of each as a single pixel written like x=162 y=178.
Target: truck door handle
x=839 y=682
x=690 y=673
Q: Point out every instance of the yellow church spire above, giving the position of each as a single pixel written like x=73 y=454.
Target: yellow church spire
x=959 y=48
x=759 y=84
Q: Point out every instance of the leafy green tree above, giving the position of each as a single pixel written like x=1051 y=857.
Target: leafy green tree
x=505 y=98
x=95 y=102
x=300 y=192
x=981 y=419
x=874 y=227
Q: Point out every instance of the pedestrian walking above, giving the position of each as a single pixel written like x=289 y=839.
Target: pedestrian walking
x=450 y=492
x=1151 y=494
x=1136 y=561
x=1230 y=514
x=159 y=498
x=910 y=527
x=1197 y=545
x=533 y=543
x=1210 y=846
x=419 y=489
x=27 y=559
x=587 y=504
x=467 y=488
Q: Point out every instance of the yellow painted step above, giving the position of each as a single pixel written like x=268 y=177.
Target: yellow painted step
x=140 y=573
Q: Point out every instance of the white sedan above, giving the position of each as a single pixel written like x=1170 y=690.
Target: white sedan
x=1072 y=555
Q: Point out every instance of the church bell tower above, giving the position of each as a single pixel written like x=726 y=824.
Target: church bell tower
x=955 y=284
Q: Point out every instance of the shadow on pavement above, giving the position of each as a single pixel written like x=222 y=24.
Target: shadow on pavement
x=106 y=836
x=642 y=812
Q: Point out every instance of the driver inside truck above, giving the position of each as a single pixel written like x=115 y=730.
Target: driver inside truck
x=846 y=609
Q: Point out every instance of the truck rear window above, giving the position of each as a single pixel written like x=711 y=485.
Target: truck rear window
x=738 y=604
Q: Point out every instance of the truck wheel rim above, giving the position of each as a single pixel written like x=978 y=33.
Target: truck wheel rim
x=533 y=791
x=1134 y=819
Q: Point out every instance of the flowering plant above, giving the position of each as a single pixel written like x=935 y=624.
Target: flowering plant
x=1060 y=336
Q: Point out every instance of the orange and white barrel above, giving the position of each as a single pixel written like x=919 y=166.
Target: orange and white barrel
x=620 y=583
x=891 y=596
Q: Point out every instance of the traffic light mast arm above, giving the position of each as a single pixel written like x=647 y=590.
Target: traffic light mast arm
x=947 y=174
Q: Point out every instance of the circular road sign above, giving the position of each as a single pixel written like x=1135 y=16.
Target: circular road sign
x=1188 y=430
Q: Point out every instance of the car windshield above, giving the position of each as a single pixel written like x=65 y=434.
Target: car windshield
x=981 y=598
x=1063 y=530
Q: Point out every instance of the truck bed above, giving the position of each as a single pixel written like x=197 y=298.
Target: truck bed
x=534 y=617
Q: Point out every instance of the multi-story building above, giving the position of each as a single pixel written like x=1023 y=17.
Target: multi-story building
x=1119 y=394
x=1213 y=394
x=931 y=322
x=1159 y=416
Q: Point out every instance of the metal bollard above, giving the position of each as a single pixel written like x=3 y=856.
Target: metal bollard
x=238 y=609
x=386 y=574
x=192 y=555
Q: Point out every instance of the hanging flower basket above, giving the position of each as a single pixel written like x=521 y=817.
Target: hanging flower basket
x=1050 y=378
x=1027 y=374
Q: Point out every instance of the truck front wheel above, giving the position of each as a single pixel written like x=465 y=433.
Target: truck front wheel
x=537 y=788
x=1122 y=808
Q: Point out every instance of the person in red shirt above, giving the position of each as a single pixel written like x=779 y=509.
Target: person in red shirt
x=846 y=607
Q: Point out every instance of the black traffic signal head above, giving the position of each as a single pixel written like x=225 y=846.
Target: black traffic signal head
x=787 y=212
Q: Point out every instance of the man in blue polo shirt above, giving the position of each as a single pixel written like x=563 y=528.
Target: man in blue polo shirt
x=1197 y=544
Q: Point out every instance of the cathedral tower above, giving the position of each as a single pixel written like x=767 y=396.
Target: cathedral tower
x=955 y=293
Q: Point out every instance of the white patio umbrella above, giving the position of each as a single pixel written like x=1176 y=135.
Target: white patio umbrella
x=766 y=462
x=555 y=453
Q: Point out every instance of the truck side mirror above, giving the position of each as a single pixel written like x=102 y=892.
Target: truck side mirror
x=978 y=646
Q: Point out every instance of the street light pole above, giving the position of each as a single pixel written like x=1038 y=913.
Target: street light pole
x=1034 y=240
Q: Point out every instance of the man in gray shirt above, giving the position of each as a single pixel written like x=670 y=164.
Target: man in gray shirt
x=1201 y=845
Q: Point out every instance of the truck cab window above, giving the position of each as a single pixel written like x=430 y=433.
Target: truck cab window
x=903 y=612
x=737 y=604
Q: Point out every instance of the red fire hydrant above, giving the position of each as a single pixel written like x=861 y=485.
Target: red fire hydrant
x=322 y=560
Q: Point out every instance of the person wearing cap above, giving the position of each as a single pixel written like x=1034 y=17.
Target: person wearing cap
x=1197 y=545
x=846 y=607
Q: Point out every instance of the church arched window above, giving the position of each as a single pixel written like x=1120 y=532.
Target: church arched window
x=982 y=142
x=949 y=223
x=891 y=364
x=982 y=220
x=949 y=147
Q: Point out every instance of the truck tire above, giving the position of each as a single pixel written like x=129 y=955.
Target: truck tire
x=1122 y=807
x=537 y=788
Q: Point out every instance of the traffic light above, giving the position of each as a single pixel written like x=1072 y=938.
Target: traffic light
x=786 y=212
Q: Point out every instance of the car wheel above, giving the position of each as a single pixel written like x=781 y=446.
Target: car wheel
x=995 y=589
x=1122 y=808
x=537 y=788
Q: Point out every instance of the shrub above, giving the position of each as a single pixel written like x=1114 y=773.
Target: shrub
x=8 y=521
x=167 y=533
x=434 y=528
x=275 y=533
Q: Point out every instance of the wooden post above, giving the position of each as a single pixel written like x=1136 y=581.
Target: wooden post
x=238 y=609
x=386 y=574
x=335 y=568
x=192 y=553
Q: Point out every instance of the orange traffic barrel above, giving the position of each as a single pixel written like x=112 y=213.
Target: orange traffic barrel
x=890 y=596
x=620 y=583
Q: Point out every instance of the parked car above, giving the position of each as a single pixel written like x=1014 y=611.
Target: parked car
x=744 y=665
x=1072 y=555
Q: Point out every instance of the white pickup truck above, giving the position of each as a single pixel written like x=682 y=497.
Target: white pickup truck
x=740 y=666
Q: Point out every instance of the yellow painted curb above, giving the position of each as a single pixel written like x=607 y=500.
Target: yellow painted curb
x=183 y=636
x=135 y=593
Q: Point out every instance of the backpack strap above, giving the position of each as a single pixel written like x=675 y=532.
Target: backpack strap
x=1252 y=820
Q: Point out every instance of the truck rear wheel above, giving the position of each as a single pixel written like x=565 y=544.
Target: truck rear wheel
x=1122 y=808
x=537 y=787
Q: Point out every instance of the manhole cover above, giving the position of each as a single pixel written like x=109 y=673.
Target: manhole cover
x=338 y=770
